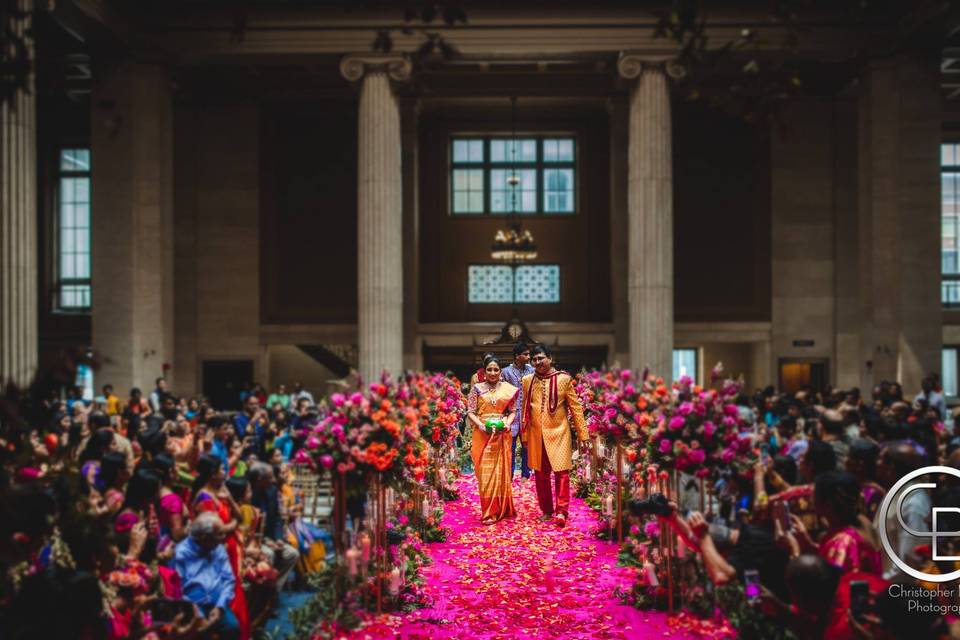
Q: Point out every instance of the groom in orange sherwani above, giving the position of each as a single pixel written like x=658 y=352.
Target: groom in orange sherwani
x=548 y=394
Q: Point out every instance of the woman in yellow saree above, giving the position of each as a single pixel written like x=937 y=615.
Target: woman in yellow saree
x=492 y=405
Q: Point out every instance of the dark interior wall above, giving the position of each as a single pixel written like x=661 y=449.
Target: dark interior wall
x=61 y=123
x=722 y=261
x=308 y=217
x=308 y=220
x=579 y=243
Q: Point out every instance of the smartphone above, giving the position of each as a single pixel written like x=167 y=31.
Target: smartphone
x=785 y=516
x=859 y=598
x=164 y=610
x=764 y=451
x=751 y=585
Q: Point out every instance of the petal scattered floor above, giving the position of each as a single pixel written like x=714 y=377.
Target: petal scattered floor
x=522 y=578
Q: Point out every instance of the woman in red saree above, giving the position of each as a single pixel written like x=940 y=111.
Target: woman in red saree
x=492 y=406
x=210 y=494
x=849 y=543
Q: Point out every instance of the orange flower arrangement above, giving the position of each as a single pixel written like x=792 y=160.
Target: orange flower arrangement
x=379 y=456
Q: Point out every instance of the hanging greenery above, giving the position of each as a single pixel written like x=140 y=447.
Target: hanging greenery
x=422 y=19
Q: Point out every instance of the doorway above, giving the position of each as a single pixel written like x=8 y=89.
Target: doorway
x=803 y=373
x=222 y=381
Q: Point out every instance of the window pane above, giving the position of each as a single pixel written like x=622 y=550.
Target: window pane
x=75 y=296
x=82 y=212
x=558 y=150
x=83 y=265
x=538 y=283
x=502 y=150
x=502 y=193
x=67 y=218
x=475 y=202
x=948 y=370
x=460 y=150
x=949 y=260
x=488 y=284
x=468 y=190
x=82 y=190
x=75 y=160
x=66 y=190
x=558 y=190
x=468 y=150
x=950 y=292
x=685 y=364
x=948 y=154
x=73 y=229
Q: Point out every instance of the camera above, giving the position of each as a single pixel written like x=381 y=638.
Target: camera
x=657 y=504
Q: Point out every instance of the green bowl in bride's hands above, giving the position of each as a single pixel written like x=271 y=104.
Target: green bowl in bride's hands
x=494 y=425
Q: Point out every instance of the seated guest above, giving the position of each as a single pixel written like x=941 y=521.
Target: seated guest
x=265 y=497
x=206 y=575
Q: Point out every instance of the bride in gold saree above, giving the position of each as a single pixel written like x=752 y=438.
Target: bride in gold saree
x=492 y=405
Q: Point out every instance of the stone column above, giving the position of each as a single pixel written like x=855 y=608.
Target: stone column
x=379 y=212
x=132 y=234
x=18 y=225
x=899 y=221
x=409 y=117
x=649 y=215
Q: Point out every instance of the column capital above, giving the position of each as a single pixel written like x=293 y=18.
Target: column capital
x=398 y=66
x=630 y=64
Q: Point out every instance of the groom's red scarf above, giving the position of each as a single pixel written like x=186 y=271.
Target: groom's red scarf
x=553 y=396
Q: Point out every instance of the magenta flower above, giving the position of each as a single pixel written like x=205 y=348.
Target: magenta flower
x=326 y=461
x=356 y=398
x=685 y=408
x=709 y=428
x=313 y=443
x=652 y=529
x=338 y=399
x=696 y=456
x=731 y=410
x=677 y=422
x=666 y=445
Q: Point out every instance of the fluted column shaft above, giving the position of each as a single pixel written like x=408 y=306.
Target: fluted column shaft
x=18 y=226
x=379 y=213
x=650 y=218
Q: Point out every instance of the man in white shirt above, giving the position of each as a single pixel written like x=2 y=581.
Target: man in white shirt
x=931 y=397
x=897 y=460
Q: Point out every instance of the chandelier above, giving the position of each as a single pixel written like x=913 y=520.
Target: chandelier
x=514 y=243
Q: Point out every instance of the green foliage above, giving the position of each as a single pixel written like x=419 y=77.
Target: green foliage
x=326 y=611
x=747 y=618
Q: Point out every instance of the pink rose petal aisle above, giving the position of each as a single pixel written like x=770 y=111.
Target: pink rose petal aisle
x=521 y=578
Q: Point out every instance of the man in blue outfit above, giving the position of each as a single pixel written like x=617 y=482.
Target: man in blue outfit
x=514 y=374
x=203 y=565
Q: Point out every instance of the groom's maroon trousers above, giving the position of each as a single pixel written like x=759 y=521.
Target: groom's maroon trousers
x=544 y=494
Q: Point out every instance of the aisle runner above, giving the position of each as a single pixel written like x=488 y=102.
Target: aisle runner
x=522 y=578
